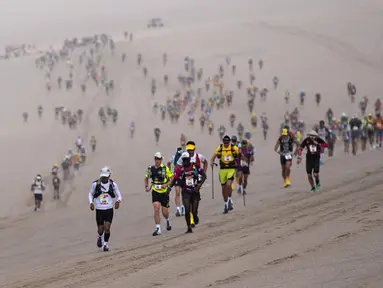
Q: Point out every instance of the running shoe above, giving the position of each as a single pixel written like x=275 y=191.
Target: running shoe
x=178 y=214
x=156 y=232
x=313 y=189
x=318 y=185
x=230 y=206
x=225 y=210
x=168 y=226
x=99 y=242
x=105 y=248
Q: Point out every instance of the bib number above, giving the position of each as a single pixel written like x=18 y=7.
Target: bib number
x=288 y=157
x=104 y=199
x=189 y=182
x=157 y=186
x=355 y=128
x=313 y=148
x=244 y=163
x=227 y=158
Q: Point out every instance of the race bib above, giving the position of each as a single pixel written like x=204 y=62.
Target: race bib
x=189 y=182
x=288 y=157
x=227 y=158
x=355 y=128
x=313 y=148
x=104 y=199
x=157 y=186
x=369 y=126
x=244 y=163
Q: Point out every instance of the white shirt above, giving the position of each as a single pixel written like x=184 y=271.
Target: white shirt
x=104 y=201
x=193 y=159
x=39 y=187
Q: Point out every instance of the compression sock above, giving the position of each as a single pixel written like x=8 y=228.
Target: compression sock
x=317 y=180
x=106 y=237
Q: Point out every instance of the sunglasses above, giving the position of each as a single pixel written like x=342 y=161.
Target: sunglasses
x=156 y=158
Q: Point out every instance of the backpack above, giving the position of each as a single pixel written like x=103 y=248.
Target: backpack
x=176 y=158
x=221 y=149
x=161 y=173
x=97 y=191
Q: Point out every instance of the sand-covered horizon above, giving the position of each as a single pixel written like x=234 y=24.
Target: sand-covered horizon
x=282 y=238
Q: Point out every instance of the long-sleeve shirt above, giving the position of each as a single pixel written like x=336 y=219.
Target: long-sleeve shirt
x=104 y=201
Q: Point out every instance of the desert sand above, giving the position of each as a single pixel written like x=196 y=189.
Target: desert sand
x=282 y=238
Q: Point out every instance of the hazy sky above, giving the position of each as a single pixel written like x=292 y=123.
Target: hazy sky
x=47 y=20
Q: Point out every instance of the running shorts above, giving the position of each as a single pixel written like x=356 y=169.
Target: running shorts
x=162 y=198
x=312 y=164
x=284 y=161
x=103 y=216
x=39 y=197
x=355 y=135
x=379 y=132
x=225 y=175
x=245 y=170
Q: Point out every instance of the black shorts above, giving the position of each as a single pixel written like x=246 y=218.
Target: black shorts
x=245 y=170
x=39 y=197
x=312 y=164
x=178 y=183
x=284 y=161
x=104 y=216
x=163 y=198
x=355 y=135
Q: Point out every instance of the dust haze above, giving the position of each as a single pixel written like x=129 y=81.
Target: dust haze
x=283 y=237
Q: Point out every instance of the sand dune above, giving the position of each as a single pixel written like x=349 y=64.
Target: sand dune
x=282 y=238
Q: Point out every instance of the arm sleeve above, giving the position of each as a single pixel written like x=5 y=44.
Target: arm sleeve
x=91 y=191
x=118 y=192
x=179 y=161
x=201 y=157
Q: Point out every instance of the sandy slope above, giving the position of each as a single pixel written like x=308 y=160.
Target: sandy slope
x=284 y=238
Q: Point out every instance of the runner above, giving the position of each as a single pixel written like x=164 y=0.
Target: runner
x=356 y=126
x=55 y=170
x=102 y=192
x=324 y=133
x=93 y=143
x=198 y=159
x=191 y=177
x=314 y=145
x=370 y=130
x=37 y=188
x=285 y=143
x=56 y=187
x=172 y=164
x=379 y=129
x=227 y=154
x=243 y=166
x=160 y=177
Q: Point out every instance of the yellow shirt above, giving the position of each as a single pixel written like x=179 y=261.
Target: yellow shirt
x=227 y=156
x=158 y=176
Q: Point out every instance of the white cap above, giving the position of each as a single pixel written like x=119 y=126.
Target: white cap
x=158 y=155
x=105 y=172
x=185 y=155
